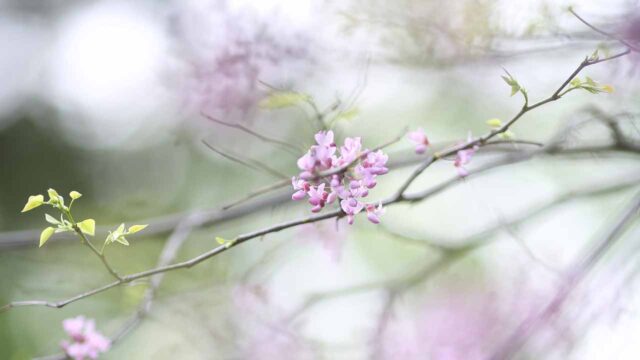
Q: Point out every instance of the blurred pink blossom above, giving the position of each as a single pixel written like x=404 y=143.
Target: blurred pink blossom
x=85 y=342
x=463 y=157
x=420 y=139
x=265 y=333
x=225 y=53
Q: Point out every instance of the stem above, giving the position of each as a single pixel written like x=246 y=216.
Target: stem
x=99 y=253
x=85 y=240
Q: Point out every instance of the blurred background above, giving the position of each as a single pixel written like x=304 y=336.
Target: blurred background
x=114 y=99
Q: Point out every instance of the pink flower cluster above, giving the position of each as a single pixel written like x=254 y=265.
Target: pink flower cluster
x=348 y=174
x=85 y=342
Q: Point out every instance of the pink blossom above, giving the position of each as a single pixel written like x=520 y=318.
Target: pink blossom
x=307 y=164
x=85 y=342
x=373 y=212
x=420 y=138
x=351 y=207
x=317 y=197
x=350 y=151
x=463 y=157
x=376 y=162
x=325 y=138
x=322 y=156
x=356 y=189
x=319 y=157
x=301 y=187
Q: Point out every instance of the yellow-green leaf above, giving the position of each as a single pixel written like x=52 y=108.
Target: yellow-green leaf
x=45 y=235
x=33 y=202
x=122 y=241
x=348 y=114
x=135 y=228
x=88 y=226
x=53 y=195
x=283 y=99
x=507 y=135
x=75 y=195
x=607 y=88
x=220 y=240
x=494 y=122
x=51 y=220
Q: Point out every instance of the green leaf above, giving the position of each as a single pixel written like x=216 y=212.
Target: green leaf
x=135 y=228
x=45 y=235
x=122 y=240
x=590 y=89
x=120 y=229
x=507 y=135
x=515 y=86
x=576 y=82
x=221 y=240
x=607 y=88
x=53 y=195
x=75 y=195
x=88 y=226
x=283 y=99
x=494 y=122
x=33 y=202
x=51 y=220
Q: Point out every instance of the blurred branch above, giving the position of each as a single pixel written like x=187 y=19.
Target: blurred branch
x=250 y=163
x=605 y=33
x=284 y=145
x=481 y=238
x=575 y=275
x=168 y=254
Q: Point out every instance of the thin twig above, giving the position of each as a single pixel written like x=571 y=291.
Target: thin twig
x=285 y=145
x=248 y=162
x=97 y=252
x=605 y=33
